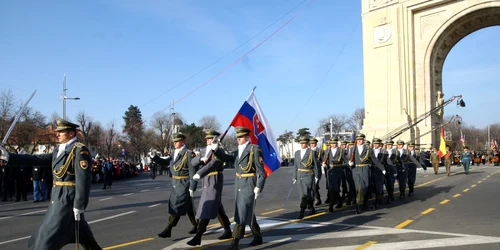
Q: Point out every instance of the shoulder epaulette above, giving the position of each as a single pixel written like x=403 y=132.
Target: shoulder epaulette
x=79 y=145
x=83 y=149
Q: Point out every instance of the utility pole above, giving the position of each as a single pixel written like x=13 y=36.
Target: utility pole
x=331 y=128
x=66 y=98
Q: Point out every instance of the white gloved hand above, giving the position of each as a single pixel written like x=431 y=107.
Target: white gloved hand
x=4 y=154
x=323 y=165
x=203 y=159
x=316 y=179
x=256 y=191
x=351 y=163
x=294 y=180
x=323 y=169
x=383 y=172
x=77 y=212
x=151 y=155
x=214 y=146
x=191 y=193
x=196 y=177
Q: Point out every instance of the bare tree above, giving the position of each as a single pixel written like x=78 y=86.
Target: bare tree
x=285 y=139
x=230 y=142
x=109 y=147
x=7 y=111
x=339 y=123
x=86 y=125
x=209 y=122
x=356 y=119
x=29 y=132
x=161 y=124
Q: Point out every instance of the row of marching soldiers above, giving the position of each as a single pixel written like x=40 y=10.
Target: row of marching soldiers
x=355 y=169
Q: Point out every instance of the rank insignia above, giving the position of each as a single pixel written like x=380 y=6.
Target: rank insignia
x=84 y=152
x=260 y=160
x=83 y=164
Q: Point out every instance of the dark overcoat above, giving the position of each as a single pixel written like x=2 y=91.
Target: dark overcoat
x=58 y=226
x=306 y=169
x=250 y=173
x=212 y=184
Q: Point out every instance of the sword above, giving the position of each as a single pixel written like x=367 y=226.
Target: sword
x=77 y=234
x=253 y=211
x=16 y=119
x=288 y=196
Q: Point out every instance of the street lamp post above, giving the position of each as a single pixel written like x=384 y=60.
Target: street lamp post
x=66 y=98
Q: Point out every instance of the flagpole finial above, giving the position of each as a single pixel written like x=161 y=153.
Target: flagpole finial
x=254 y=88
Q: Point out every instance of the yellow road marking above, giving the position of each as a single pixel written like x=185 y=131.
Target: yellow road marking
x=473 y=186
x=218 y=224
x=466 y=190
x=403 y=224
x=455 y=196
x=274 y=211
x=128 y=243
x=426 y=175
x=479 y=182
x=427 y=211
x=484 y=179
x=444 y=202
x=366 y=245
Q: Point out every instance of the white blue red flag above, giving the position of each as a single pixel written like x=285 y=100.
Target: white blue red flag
x=250 y=116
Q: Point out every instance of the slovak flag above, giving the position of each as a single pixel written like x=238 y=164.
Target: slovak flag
x=250 y=116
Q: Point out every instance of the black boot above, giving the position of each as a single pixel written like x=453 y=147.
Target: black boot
x=358 y=209
x=226 y=235
x=91 y=246
x=401 y=194
x=327 y=201
x=318 y=202
x=312 y=211
x=194 y=230
x=257 y=240
x=301 y=215
x=196 y=240
x=390 y=199
x=166 y=233
x=234 y=244
x=339 y=205
x=377 y=204
x=410 y=193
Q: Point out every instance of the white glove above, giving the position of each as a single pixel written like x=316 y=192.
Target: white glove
x=196 y=177
x=323 y=170
x=256 y=191
x=351 y=163
x=191 y=193
x=203 y=159
x=323 y=165
x=294 y=181
x=316 y=179
x=383 y=172
x=214 y=146
x=151 y=155
x=77 y=213
x=4 y=154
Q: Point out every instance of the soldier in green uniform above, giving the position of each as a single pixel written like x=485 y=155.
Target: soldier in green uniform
x=180 y=202
x=335 y=165
x=64 y=222
x=250 y=180
x=361 y=159
x=318 y=153
x=378 y=171
x=413 y=164
x=308 y=174
x=210 y=206
x=391 y=171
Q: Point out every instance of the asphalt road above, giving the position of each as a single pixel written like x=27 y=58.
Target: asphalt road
x=458 y=212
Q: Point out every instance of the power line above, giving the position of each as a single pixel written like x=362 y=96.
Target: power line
x=230 y=52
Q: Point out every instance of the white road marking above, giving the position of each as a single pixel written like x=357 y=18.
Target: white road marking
x=105 y=199
x=128 y=194
x=425 y=244
x=145 y=190
x=110 y=217
x=155 y=205
x=34 y=212
x=90 y=222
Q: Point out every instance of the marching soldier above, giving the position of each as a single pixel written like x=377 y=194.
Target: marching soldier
x=335 y=165
x=319 y=155
x=70 y=163
x=250 y=180
x=378 y=172
x=351 y=196
x=306 y=172
x=361 y=159
x=435 y=160
x=391 y=162
x=401 y=162
x=412 y=168
x=210 y=206
x=466 y=158
x=180 y=202
x=448 y=159
x=345 y=190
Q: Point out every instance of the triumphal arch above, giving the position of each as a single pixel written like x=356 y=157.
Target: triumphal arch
x=405 y=44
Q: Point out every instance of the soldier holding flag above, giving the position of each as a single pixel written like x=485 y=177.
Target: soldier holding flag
x=249 y=183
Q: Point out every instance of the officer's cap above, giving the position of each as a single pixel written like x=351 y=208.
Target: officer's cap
x=377 y=140
x=343 y=142
x=401 y=142
x=367 y=142
x=64 y=125
x=313 y=141
x=178 y=137
x=351 y=143
x=242 y=131
x=211 y=134
x=303 y=139
x=360 y=136
x=333 y=141
x=411 y=144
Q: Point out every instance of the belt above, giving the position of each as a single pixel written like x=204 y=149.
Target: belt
x=245 y=175
x=64 y=183
x=337 y=165
x=305 y=170
x=361 y=165
x=180 y=177
x=214 y=173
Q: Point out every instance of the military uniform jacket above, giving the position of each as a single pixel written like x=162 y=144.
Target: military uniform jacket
x=212 y=183
x=414 y=159
x=182 y=180
x=250 y=173
x=306 y=169
x=335 y=163
x=72 y=166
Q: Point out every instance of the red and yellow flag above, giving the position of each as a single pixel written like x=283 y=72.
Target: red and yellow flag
x=442 y=144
